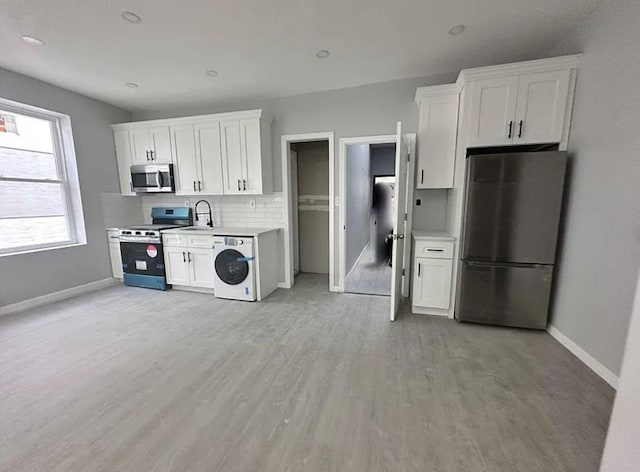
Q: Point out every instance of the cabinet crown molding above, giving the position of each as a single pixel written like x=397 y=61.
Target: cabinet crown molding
x=436 y=91
x=516 y=68
x=239 y=115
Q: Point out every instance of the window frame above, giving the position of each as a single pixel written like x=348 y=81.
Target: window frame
x=67 y=169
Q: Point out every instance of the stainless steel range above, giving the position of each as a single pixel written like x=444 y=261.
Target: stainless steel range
x=141 y=247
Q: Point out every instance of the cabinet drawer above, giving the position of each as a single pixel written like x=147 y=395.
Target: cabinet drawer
x=434 y=249
x=200 y=241
x=174 y=240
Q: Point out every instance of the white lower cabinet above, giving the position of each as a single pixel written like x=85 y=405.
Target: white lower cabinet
x=431 y=290
x=176 y=265
x=189 y=260
x=200 y=267
x=114 y=253
x=432 y=283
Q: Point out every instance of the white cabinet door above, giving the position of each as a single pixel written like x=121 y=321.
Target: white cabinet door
x=208 y=148
x=231 y=156
x=432 y=282
x=176 y=265
x=123 y=158
x=492 y=113
x=186 y=160
x=116 y=260
x=437 y=132
x=542 y=105
x=251 y=156
x=201 y=267
x=160 y=145
x=140 y=146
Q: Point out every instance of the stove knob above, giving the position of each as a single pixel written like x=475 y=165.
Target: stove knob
x=240 y=243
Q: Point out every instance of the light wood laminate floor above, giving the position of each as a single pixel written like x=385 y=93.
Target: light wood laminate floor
x=130 y=379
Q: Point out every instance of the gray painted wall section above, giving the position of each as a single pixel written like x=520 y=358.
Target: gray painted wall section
x=621 y=451
x=600 y=251
x=358 y=202
x=31 y=275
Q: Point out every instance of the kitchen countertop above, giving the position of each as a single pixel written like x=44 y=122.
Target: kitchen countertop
x=222 y=231
x=113 y=228
x=433 y=235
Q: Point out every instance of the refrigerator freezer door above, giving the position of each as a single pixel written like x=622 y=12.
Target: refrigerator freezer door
x=513 y=205
x=505 y=294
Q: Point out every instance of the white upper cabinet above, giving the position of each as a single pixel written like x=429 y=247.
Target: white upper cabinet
x=227 y=153
x=542 y=105
x=186 y=173
x=252 y=181
x=521 y=103
x=232 y=158
x=493 y=107
x=208 y=149
x=123 y=154
x=151 y=145
x=437 y=131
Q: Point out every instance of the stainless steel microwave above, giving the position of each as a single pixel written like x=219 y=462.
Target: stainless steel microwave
x=153 y=178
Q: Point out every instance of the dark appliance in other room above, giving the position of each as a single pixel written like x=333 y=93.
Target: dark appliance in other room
x=152 y=178
x=141 y=247
x=512 y=215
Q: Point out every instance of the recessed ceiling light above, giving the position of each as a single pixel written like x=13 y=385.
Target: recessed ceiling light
x=32 y=41
x=323 y=54
x=131 y=17
x=212 y=73
x=456 y=30
x=132 y=85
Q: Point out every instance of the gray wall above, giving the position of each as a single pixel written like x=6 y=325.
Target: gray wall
x=600 y=253
x=621 y=451
x=313 y=224
x=357 y=202
x=31 y=275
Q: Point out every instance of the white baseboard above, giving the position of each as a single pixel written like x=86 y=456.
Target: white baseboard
x=608 y=376
x=283 y=285
x=57 y=296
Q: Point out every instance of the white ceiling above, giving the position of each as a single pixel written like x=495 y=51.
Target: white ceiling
x=266 y=48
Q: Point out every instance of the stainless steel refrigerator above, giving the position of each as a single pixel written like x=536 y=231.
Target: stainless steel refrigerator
x=512 y=214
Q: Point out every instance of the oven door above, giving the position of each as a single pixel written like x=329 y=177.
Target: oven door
x=152 y=178
x=143 y=258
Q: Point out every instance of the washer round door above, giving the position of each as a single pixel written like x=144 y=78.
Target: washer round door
x=231 y=267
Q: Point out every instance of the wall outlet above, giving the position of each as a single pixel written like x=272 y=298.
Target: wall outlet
x=252 y=204
x=187 y=203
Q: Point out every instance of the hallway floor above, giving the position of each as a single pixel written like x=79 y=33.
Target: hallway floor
x=368 y=276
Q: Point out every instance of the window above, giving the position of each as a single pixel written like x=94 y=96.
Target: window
x=40 y=205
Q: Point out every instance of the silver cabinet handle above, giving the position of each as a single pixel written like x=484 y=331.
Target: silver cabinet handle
x=151 y=153
x=244 y=184
x=184 y=257
x=189 y=256
x=419 y=265
x=194 y=186
x=148 y=155
x=199 y=186
x=239 y=185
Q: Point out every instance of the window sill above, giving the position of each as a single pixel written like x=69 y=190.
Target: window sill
x=21 y=252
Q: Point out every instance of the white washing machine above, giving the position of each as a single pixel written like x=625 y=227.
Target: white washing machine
x=233 y=259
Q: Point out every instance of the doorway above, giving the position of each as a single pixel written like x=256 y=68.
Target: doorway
x=314 y=210
x=310 y=182
x=370 y=200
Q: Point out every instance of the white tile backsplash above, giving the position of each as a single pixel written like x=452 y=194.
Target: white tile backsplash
x=228 y=210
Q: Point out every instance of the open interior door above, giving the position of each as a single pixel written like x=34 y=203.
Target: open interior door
x=399 y=222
